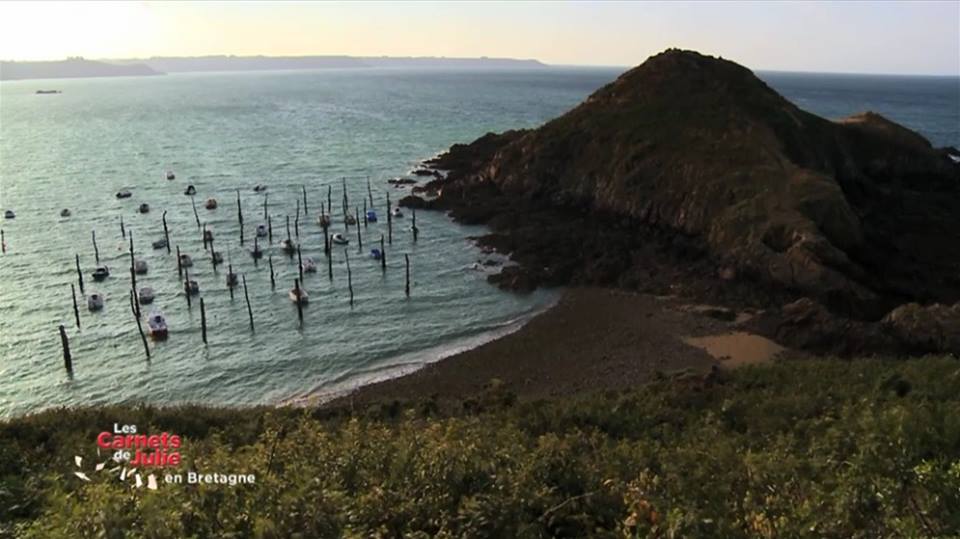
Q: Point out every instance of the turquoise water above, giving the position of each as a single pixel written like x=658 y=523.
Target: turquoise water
x=228 y=131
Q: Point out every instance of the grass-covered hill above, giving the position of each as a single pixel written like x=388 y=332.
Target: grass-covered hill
x=793 y=449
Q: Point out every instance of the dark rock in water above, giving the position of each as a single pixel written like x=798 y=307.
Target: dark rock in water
x=426 y=172
x=689 y=163
x=413 y=201
x=401 y=181
x=515 y=278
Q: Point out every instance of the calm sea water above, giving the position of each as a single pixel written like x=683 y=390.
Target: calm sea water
x=228 y=131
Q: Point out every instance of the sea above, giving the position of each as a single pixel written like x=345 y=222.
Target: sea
x=299 y=134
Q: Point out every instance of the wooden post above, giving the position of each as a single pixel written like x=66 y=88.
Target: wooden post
x=123 y=231
x=273 y=282
x=288 y=228
x=330 y=267
x=346 y=204
x=186 y=286
x=79 y=273
x=369 y=191
x=406 y=287
x=297 y=215
x=213 y=257
x=265 y=197
x=143 y=338
x=300 y=262
x=359 y=239
x=383 y=255
x=67 y=360
x=296 y=224
x=166 y=233
x=256 y=248
x=196 y=217
x=296 y=288
x=3 y=242
x=305 y=210
x=179 y=264
x=76 y=310
x=203 y=322
x=326 y=241
x=330 y=200
x=270 y=229
x=203 y=236
x=96 y=252
x=246 y=296
x=133 y=273
x=229 y=286
x=136 y=301
x=416 y=231
x=349 y=274
x=389 y=221
x=240 y=216
x=364 y=213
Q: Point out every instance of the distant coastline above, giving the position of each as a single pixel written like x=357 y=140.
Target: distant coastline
x=80 y=67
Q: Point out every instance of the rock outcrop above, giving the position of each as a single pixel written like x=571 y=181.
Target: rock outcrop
x=690 y=168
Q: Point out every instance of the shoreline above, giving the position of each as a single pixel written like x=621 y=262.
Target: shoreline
x=591 y=339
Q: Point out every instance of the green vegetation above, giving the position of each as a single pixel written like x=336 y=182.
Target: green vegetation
x=821 y=448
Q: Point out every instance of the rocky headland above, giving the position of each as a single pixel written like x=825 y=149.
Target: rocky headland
x=690 y=176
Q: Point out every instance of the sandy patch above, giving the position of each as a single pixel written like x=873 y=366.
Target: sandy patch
x=736 y=349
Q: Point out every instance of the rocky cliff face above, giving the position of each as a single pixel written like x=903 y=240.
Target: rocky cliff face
x=694 y=159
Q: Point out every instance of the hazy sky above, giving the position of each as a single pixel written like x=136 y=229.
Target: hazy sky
x=872 y=37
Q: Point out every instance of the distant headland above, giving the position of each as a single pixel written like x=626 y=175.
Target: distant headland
x=80 y=67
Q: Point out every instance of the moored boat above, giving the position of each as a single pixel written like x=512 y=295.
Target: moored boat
x=259 y=188
x=171 y=175
x=190 y=190
x=232 y=280
x=95 y=301
x=376 y=254
x=261 y=231
x=144 y=208
x=211 y=204
x=191 y=287
x=349 y=219
x=396 y=212
x=124 y=194
x=256 y=252
x=101 y=273
x=159 y=244
x=185 y=260
x=371 y=216
x=9 y=214
x=145 y=295
x=158 y=326
x=309 y=266
x=288 y=247
x=65 y=212
x=323 y=220
x=140 y=267
x=339 y=239
x=207 y=236
x=299 y=295
x=217 y=258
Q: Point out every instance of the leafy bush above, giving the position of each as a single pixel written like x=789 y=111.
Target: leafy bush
x=820 y=448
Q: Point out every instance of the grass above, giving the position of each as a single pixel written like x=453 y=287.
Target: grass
x=825 y=448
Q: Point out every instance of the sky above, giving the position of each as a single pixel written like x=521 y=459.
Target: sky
x=911 y=37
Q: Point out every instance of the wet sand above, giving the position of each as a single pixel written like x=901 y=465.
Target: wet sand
x=592 y=340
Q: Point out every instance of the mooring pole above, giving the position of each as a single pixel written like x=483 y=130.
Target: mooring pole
x=240 y=216
x=383 y=255
x=166 y=233
x=67 y=360
x=143 y=338
x=369 y=191
x=246 y=296
x=203 y=321
x=330 y=200
x=389 y=221
x=196 y=216
x=265 y=196
x=96 y=252
x=330 y=267
x=179 y=264
x=300 y=262
x=364 y=213
x=416 y=231
x=76 y=310
x=3 y=242
x=186 y=286
x=79 y=273
x=349 y=273
x=359 y=239
x=299 y=302
x=229 y=285
x=270 y=229
x=288 y=228
x=273 y=282
x=406 y=287
x=305 y=210
x=123 y=231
